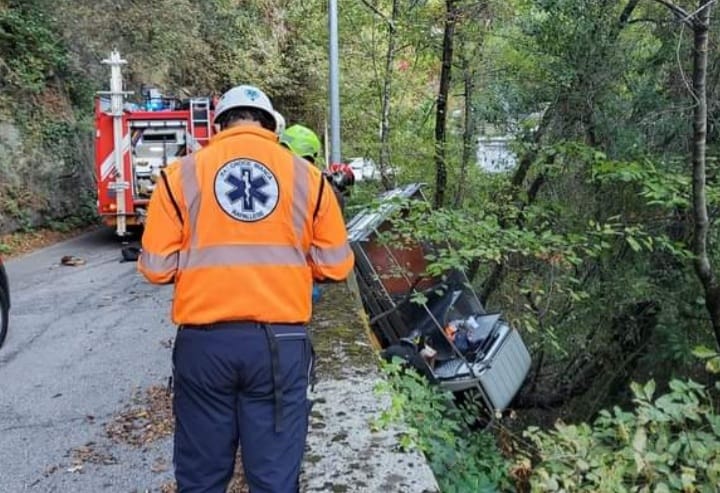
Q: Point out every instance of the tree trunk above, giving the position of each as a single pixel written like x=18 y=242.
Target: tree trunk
x=494 y=280
x=385 y=110
x=441 y=107
x=627 y=12
x=703 y=268
x=469 y=129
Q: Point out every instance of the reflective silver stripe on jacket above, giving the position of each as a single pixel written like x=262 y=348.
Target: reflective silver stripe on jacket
x=330 y=256
x=159 y=264
x=301 y=189
x=191 y=194
x=229 y=255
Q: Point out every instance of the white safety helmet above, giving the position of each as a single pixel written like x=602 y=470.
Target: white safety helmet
x=280 y=123
x=244 y=97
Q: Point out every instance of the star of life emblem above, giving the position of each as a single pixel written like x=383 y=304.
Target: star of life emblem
x=246 y=190
x=251 y=94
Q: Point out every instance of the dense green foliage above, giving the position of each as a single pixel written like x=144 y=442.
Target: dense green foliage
x=586 y=242
x=666 y=443
x=30 y=53
x=463 y=460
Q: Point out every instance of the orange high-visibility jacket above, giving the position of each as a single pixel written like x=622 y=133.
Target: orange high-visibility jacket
x=243 y=232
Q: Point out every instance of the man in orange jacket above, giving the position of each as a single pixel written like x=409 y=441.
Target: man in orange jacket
x=242 y=228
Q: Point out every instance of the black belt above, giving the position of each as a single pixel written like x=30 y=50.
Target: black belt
x=222 y=325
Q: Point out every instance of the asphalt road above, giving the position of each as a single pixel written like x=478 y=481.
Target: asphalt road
x=86 y=341
x=82 y=341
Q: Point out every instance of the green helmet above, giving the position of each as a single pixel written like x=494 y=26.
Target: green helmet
x=301 y=141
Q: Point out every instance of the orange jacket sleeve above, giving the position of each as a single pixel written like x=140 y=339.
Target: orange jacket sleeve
x=163 y=235
x=330 y=255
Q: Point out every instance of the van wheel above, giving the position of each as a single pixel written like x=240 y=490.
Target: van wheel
x=411 y=358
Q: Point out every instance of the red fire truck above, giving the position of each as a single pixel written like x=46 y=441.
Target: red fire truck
x=133 y=142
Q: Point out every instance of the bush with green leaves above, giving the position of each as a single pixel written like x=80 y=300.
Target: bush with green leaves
x=29 y=50
x=671 y=443
x=462 y=459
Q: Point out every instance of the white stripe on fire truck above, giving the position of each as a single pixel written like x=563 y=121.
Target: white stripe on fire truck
x=109 y=164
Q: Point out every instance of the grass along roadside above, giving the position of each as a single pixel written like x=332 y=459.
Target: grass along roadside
x=22 y=242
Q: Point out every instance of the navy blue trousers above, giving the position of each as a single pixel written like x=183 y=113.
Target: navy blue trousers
x=226 y=387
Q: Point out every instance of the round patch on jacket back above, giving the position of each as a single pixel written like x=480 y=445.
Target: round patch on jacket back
x=246 y=190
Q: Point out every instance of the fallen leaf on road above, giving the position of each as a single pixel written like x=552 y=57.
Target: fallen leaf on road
x=237 y=484
x=169 y=487
x=152 y=420
x=72 y=261
x=87 y=454
x=159 y=466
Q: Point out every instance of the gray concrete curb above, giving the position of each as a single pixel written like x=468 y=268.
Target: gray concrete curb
x=343 y=453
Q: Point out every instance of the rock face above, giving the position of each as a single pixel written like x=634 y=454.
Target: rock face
x=45 y=121
x=45 y=175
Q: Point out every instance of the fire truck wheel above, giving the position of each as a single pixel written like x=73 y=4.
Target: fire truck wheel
x=136 y=231
x=130 y=253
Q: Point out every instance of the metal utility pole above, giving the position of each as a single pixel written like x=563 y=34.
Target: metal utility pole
x=117 y=100
x=334 y=84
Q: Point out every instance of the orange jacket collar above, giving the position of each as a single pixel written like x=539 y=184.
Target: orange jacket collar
x=244 y=130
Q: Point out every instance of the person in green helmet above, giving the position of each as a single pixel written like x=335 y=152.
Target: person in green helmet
x=305 y=143
x=302 y=142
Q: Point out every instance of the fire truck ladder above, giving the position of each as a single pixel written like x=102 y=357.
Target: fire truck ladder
x=200 y=118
